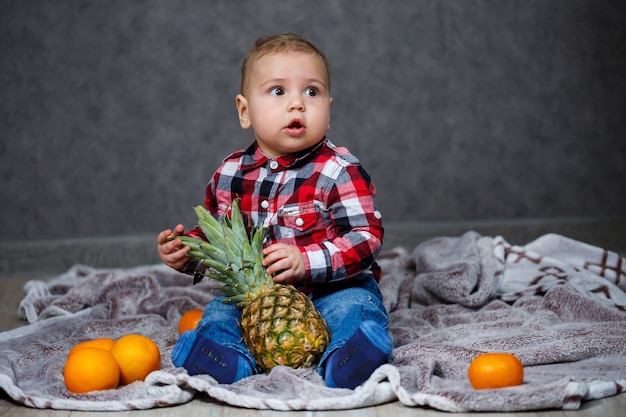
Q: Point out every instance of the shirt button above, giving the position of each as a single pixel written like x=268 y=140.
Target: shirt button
x=273 y=164
x=265 y=204
x=377 y=214
x=299 y=222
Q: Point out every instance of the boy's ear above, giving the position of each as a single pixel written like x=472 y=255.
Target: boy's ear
x=242 y=109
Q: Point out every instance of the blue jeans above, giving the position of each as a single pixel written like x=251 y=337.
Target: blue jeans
x=344 y=307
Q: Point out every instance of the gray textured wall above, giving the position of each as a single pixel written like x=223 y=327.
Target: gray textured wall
x=113 y=114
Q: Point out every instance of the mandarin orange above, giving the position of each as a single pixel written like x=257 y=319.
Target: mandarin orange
x=189 y=320
x=90 y=369
x=495 y=370
x=137 y=356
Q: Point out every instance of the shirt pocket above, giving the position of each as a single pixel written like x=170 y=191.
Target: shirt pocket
x=300 y=217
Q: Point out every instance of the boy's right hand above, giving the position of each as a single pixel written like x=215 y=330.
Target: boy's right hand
x=172 y=252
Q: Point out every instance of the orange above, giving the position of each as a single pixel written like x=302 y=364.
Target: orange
x=137 y=356
x=495 y=370
x=189 y=320
x=102 y=343
x=89 y=369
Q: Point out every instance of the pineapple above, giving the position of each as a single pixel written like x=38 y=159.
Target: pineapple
x=279 y=324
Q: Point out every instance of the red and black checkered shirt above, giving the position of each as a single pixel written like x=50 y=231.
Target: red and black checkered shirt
x=320 y=200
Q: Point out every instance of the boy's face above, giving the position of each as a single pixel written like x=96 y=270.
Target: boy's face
x=286 y=100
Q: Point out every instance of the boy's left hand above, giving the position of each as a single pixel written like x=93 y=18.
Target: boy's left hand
x=284 y=263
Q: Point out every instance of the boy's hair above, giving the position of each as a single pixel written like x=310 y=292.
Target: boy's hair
x=282 y=43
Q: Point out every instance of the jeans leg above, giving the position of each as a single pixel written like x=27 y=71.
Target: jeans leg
x=345 y=307
x=220 y=323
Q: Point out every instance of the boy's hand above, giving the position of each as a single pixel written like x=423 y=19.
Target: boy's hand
x=172 y=252
x=284 y=263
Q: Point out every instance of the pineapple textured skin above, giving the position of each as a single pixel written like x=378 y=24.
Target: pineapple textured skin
x=281 y=326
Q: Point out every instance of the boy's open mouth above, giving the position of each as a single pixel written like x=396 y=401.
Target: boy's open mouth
x=295 y=128
x=295 y=124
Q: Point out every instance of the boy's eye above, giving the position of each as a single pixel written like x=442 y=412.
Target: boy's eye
x=277 y=91
x=310 y=92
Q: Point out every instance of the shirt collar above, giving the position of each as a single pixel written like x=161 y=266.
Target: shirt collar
x=254 y=158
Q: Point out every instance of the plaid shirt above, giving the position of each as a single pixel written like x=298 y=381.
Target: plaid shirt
x=320 y=200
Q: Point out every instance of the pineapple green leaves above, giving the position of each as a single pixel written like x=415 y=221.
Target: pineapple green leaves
x=229 y=253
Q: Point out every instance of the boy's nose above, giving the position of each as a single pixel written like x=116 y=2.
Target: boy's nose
x=296 y=103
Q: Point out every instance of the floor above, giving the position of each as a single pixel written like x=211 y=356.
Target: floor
x=610 y=234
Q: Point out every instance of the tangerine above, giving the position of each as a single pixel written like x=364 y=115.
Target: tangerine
x=137 y=356
x=89 y=369
x=189 y=320
x=495 y=370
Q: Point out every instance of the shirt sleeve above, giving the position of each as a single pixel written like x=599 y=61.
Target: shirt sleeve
x=359 y=230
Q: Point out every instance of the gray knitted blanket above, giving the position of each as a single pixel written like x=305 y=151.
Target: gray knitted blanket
x=556 y=303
